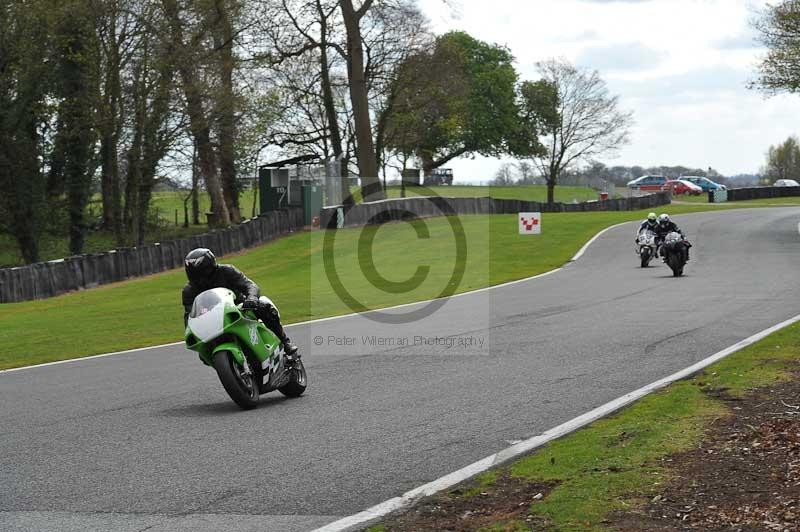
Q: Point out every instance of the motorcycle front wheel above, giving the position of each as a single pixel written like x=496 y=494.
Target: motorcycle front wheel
x=240 y=386
x=645 y=256
x=297 y=383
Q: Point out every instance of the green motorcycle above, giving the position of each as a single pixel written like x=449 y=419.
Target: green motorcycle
x=247 y=356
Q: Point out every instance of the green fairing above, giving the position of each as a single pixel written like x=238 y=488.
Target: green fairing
x=237 y=338
x=248 y=357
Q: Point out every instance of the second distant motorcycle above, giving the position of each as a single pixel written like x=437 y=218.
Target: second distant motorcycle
x=675 y=252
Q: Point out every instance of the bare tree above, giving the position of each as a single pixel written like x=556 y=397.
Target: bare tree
x=527 y=173
x=308 y=58
x=505 y=176
x=586 y=120
x=307 y=62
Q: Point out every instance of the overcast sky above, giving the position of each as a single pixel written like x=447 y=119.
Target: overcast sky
x=682 y=67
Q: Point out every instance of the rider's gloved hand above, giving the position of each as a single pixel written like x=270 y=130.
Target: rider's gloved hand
x=251 y=303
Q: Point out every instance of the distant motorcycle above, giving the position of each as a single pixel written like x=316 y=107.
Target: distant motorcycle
x=248 y=357
x=646 y=247
x=674 y=250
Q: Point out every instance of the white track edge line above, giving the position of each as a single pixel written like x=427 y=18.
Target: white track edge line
x=410 y=497
x=581 y=251
x=330 y=318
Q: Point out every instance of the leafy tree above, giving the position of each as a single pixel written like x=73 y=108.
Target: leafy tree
x=779 y=30
x=456 y=99
x=583 y=120
x=23 y=111
x=783 y=160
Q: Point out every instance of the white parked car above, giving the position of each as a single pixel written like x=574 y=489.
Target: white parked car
x=786 y=183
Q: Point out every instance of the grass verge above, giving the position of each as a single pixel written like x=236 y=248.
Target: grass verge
x=617 y=463
x=148 y=311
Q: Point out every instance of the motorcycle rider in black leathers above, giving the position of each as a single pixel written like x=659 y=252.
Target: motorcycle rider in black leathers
x=204 y=274
x=666 y=226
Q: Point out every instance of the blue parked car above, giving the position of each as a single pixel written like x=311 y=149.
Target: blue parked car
x=705 y=183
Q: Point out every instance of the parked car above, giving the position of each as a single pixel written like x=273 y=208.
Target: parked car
x=786 y=183
x=703 y=182
x=648 y=182
x=681 y=186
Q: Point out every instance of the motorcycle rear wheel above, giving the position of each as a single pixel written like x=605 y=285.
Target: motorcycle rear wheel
x=297 y=383
x=676 y=266
x=243 y=389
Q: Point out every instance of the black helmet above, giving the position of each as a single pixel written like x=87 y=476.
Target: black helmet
x=200 y=264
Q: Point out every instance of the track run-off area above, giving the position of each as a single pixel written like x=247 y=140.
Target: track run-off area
x=149 y=439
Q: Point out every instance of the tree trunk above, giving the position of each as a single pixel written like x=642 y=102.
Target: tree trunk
x=195 y=189
x=133 y=156
x=109 y=134
x=76 y=112
x=145 y=192
x=428 y=164
x=133 y=179
x=359 y=99
x=329 y=104
x=198 y=122
x=22 y=182
x=226 y=109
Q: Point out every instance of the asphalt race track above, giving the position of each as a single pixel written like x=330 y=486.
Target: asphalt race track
x=151 y=439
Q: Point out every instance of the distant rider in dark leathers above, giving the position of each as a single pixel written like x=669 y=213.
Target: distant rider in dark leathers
x=204 y=274
x=666 y=226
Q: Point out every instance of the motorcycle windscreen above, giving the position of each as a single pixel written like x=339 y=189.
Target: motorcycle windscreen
x=647 y=237
x=207 y=318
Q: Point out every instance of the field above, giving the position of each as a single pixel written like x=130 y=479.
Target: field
x=168 y=203
x=521 y=192
x=169 y=206
x=147 y=311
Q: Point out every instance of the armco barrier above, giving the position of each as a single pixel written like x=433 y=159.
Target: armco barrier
x=742 y=194
x=48 y=279
x=425 y=207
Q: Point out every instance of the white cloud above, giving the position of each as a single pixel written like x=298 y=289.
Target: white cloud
x=623 y=57
x=681 y=65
